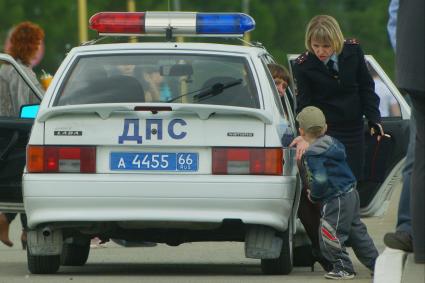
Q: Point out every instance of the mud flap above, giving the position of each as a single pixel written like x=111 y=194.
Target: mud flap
x=262 y=243
x=42 y=242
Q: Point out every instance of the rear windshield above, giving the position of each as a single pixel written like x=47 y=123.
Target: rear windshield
x=219 y=80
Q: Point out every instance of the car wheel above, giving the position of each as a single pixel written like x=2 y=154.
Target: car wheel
x=43 y=264
x=76 y=253
x=284 y=263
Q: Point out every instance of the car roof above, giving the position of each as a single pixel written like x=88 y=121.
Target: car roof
x=163 y=46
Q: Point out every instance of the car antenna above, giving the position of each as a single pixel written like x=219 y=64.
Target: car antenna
x=169 y=33
x=93 y=41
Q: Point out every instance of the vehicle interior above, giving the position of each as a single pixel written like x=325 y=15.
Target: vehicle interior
x=219 y=80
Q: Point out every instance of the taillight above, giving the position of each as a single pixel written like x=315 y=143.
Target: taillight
x=244 y=161
x=61 y=159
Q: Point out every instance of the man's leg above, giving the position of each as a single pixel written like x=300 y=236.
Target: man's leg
x=404 y=221
x=418 y=175
x=402 y=238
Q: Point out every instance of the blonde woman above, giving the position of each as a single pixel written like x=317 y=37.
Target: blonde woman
x=332 y=75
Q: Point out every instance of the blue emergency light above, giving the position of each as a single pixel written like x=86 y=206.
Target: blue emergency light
x=222 y=23
x=176 y=23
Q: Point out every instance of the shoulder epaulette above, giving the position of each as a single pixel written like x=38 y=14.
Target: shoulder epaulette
x=351 y=41
x=301 y=59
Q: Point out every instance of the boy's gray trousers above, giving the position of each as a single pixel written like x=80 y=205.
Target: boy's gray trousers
x=341 y=221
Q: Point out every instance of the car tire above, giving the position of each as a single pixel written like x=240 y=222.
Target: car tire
x=75 y=254
x=284 y=263
x=43 y=264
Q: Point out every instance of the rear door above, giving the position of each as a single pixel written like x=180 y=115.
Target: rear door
x=142 y=142
x=14 y=134
x=171 y=106
x=384 y=159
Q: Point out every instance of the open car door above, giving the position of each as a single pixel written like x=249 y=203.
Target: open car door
x=14 y=134
x=384 y=159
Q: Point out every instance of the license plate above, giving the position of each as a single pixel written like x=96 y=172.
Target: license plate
x=154 y=161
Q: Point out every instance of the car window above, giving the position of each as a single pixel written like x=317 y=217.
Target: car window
x=292 y=84
x=14 y=91
x=388 y=104
x=204 y=79
x=283 y=111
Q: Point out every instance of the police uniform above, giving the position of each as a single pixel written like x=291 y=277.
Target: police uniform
x=344 y=97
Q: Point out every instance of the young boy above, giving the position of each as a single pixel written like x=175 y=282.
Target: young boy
x=280 y=76
x=332 y=183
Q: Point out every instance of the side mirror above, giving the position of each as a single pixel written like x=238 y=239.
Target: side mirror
x=29 y=111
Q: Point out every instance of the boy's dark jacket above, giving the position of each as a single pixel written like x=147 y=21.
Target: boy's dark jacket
x=328 y=173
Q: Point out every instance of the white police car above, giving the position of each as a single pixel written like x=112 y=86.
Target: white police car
x=161 y=142
x=170 y=143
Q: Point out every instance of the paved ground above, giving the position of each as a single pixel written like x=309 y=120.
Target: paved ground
x=199 y=262
x=413 y=273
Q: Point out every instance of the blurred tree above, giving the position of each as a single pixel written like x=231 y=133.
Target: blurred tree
x=280 y=25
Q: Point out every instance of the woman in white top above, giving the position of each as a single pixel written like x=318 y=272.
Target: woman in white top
x=25 y=45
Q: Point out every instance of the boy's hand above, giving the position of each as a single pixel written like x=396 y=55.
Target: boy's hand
x=301 y=146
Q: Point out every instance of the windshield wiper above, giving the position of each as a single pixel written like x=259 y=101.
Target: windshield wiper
x=209 y=92
x=215 y=90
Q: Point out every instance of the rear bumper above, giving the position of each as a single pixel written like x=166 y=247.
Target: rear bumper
x=65 y=198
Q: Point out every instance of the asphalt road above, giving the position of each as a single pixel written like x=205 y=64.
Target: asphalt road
x=197 y=262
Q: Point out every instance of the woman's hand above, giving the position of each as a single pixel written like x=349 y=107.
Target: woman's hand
x=376 y=129
x=301 y=145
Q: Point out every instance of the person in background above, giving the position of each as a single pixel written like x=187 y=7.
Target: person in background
x=332 y=75
x=281 y=79
x=25 y=45
x=280 y=76
x=388 y=105
x=36 y=59
x=126 y=69
x=410 y=65
x=332 y=183
x=392 y=22
x=155 y=87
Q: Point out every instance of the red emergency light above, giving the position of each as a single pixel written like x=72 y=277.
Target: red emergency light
x=117 y=22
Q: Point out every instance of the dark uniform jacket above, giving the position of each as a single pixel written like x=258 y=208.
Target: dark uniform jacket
x=410 y=59
x=345 y=98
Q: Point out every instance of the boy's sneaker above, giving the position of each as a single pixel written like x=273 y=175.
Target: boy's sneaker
x=340 y=275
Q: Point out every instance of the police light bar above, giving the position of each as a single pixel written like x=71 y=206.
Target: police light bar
x=176 y=23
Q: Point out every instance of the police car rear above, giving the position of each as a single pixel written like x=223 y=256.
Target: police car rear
x=161 y=142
